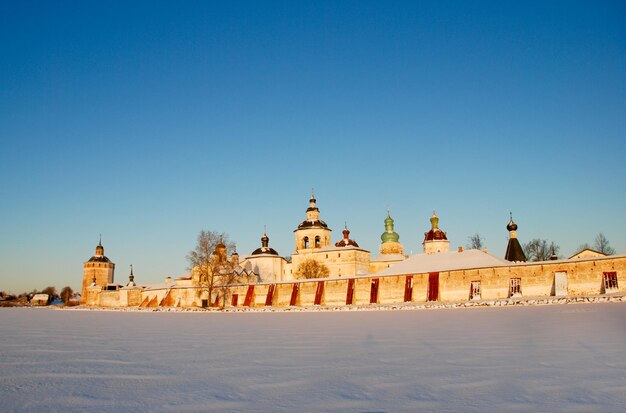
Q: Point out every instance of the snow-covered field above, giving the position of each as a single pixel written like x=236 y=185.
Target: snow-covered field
x=564 y=358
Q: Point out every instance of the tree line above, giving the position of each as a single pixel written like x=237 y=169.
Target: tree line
x=66 y=295
x=539 y=249
x=542 y=250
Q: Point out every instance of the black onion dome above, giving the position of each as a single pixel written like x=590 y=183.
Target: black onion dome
x=265 y=248
x=313 y=206
x=511 y=226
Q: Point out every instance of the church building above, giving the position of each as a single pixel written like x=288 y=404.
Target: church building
x=266 y=262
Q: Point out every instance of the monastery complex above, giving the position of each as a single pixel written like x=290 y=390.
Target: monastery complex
x=350 y=276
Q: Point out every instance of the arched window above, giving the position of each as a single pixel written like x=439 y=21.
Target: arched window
x=305 y=242
x=317 y=242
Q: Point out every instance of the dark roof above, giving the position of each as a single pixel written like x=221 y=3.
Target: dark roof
x=99 y=258
x=347 y=243
x=435 y=235
x=318 y=223
x=264 y=250
x=265 y=247
x=514 y=251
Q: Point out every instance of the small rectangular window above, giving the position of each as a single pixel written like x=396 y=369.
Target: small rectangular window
x=515 y=287
x=475 y=290
x=610 y=282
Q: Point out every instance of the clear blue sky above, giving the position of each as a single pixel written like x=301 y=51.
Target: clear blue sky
x=149 y=121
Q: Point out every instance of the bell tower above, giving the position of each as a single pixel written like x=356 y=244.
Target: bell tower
x=312 y=233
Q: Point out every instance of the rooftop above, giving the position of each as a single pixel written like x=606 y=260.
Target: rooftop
x=445 y=261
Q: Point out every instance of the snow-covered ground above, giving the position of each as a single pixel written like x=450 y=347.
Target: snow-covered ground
x=564 y=358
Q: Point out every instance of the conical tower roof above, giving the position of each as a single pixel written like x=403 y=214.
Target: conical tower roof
x=514 y=251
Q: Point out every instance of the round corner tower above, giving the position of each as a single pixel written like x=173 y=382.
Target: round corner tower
x=98 y=270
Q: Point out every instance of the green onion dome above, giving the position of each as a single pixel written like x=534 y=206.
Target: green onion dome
x=389 y=235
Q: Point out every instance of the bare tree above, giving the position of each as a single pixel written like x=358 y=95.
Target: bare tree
x=583 y=247
x=51 y=291
x=205 y=265
x=66 y=294
x=475 y=242
x=311 y=268
x=225 y=275
x=540 y=250
x=601 y=244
